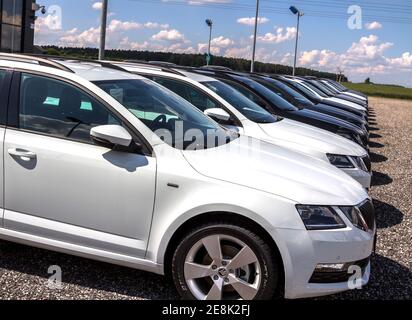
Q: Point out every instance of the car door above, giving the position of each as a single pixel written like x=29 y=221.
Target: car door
x=5 y=77
x=61 y=186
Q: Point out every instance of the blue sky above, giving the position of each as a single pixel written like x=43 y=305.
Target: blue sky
x=379 y=47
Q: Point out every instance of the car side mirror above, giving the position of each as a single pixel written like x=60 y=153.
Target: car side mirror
x=217 y=114
x=110 y=136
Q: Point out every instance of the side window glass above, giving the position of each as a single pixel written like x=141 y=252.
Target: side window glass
x=174 y=86
x=187 y=92
x=201 y=100
x=248 y=94
x=59 y=109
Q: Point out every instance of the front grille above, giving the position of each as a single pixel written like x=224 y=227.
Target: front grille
x=338 y=276
x=368 y=163
x=368 y=212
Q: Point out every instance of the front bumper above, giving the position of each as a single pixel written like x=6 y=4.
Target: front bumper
x=303 y=250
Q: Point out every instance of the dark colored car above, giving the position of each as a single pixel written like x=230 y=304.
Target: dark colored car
x=330 y=93
x=315 y=99
x=280 y=107
x=342 y=88
x=298 y=100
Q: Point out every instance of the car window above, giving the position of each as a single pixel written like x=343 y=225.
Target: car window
x=321 y=88
x=248 y=108
x=289 y=91
x=168 y=115
x=246 y=92
x=312 y=87
x=304 y=90
x=60 y=109
x=276 y=100
x=187 y=92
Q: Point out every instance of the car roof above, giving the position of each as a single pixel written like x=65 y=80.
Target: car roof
x=94 y=71
x=197 y=77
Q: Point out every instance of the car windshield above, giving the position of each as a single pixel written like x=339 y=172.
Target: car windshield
x=322 y=88
x=329 y=87
x=338 y=85
x=245 y=106
x=298 y=97
x=319 y=92
x=304 y=90
x=172 y=118
x=278 y=101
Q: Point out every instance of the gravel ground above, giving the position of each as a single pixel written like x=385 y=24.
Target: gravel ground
x=23 y=270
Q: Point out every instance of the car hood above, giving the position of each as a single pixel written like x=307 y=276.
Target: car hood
x=329 y=119
x=347 y=103
x=303 y=137
x=263 y=166
x=346 y=97
x=341 y=112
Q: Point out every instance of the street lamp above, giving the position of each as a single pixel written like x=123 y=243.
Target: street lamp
x=299 y=14
x=103 y=30
x=252 y=64
x=209 y=23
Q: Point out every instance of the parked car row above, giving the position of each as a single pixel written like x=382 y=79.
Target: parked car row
x=237 y=185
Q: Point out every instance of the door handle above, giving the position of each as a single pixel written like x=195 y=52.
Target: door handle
x=22 y=153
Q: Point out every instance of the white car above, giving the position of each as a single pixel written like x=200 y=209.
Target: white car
x=234 y=111
x=88 y=169
x=323 y=97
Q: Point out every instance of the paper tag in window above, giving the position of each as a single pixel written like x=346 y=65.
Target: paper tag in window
x=117 y=94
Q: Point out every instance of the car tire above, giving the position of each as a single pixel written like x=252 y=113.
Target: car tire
x=200 y=273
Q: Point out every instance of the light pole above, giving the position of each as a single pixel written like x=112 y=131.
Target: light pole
x=103 y=30
x=209 y=23
x=299 y=14
x=252 y=64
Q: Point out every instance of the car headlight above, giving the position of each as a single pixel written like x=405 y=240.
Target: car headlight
x=355 y=217
x=340 y=161
x=320 y=218
x=359 y=163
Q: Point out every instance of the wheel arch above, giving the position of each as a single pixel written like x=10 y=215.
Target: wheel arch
x=224 y=216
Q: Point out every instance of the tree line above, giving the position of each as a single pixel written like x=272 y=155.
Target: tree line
x=185 y=59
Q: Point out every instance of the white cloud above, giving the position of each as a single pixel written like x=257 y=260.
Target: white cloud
x=251 y=21
x=222 y=42
x=373 y=25
x=117 y=25
x=281 y=35
x=216 y=44
x=168 y=35
x=155 y=25
x=48 y=23
x=97 y=6
x=116 y=32
x=365 y=57
x=200 y=2
x=405 y=61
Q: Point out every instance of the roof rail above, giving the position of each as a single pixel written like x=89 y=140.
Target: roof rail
x=215 y=67
x=152 y=64
x=104 y=64
x=163 y=63
x=34 y=59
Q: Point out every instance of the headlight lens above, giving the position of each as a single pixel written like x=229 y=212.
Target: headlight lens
x=319 y=218
x=359 y=163
x=355 y=217
x=340 y=161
